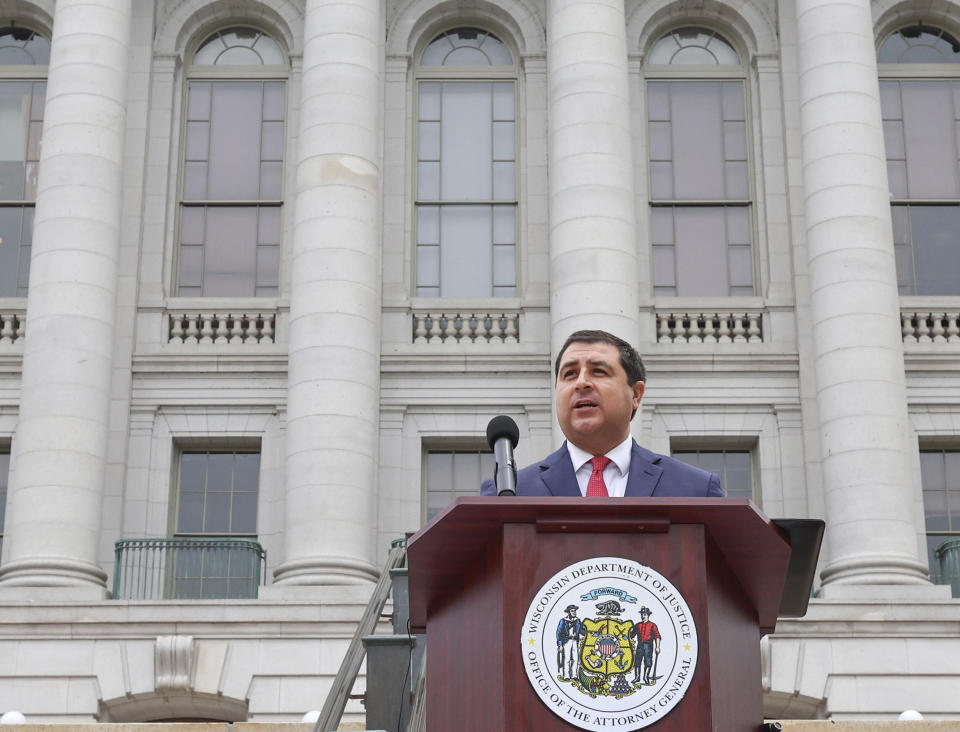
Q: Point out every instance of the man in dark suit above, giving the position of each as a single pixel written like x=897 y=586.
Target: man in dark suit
x=599 y=384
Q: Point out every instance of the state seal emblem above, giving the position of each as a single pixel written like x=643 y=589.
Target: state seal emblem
x=609 y=643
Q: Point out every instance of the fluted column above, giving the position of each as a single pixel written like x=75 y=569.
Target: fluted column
x=593 y=260
x=59 y=456
x=334 y=373
x=861 y=390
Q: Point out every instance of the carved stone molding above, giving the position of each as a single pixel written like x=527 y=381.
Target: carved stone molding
x=173 y=662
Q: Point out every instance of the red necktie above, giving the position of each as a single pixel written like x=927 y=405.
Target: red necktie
x=596 y=488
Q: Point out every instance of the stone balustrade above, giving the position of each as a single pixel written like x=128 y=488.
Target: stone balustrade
x=12 y=325
x=222 y=328
x=930 y=327
x=470 y=327
x=709 y=327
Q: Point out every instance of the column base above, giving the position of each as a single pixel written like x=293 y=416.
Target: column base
x=325 y=571
x=53 y=578
x=892 y=593
x=876 y=570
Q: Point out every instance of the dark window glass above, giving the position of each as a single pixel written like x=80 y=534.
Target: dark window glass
x=699 y=173
x=21 y=123
x=466 y=172
x=921 y=124
x=940 y=475
x=733 y=467
x=450 y=474
x=232 y=183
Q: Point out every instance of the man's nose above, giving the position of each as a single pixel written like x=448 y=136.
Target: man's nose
x=583 y=379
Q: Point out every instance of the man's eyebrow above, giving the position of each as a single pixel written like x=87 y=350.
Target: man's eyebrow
x=591 y=362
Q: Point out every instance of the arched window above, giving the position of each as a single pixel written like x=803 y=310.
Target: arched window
x=231 y=188
x=24 y=55
x=466 y=190
x=920 y=98
x=699 y=183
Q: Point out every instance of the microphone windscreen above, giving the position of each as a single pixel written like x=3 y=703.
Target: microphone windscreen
x=502 y=426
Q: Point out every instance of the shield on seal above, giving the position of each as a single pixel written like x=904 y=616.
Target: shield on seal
x=606 y=649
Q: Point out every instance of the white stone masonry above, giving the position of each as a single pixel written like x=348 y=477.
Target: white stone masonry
x=333 y=394
x=861 y=391
x=593 y=260
x=54 y=502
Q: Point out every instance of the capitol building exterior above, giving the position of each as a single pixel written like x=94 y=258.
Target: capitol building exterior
x=267 y=269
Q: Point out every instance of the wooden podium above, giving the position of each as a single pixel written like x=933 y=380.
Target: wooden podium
x=475 y=569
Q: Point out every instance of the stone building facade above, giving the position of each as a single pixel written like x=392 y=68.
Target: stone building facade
x=268 y=269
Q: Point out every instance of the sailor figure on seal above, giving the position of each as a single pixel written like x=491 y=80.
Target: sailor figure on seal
x=569 y=631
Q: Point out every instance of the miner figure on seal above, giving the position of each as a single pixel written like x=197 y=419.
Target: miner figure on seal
x=648 y=647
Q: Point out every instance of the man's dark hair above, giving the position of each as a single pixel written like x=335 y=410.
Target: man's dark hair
x=629 y=358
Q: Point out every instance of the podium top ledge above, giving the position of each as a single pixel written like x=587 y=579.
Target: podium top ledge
x=756 y=550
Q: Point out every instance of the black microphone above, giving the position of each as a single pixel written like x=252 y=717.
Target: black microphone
x=502 y=436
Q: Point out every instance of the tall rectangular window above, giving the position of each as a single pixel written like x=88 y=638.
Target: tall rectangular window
x=450 y=474
x=700 y=198
x=231 y=192
x=466 y=202
x=217 y=493
x=23 y=59
x=940 y=475
x=920 y=101
x=733 y=467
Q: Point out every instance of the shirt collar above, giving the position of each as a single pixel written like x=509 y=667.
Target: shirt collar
x=620 y=455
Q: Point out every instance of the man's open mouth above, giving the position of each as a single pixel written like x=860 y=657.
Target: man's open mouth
x=584 y=403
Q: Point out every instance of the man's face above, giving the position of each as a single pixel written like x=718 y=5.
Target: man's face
x=594 y=401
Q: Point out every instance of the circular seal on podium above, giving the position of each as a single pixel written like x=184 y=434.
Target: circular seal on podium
x=609 y=643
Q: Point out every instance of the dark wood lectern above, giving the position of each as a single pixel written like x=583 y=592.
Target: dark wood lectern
x=475 y=569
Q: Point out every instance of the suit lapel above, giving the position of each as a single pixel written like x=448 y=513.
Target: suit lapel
x=556 y=472
x=644 y=473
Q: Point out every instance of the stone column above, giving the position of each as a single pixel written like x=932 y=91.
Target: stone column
x=593 y=247
x=59 y=457
x=859 y=365
x=334 y=375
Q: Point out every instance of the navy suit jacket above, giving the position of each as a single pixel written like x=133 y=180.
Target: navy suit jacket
x=650 y=475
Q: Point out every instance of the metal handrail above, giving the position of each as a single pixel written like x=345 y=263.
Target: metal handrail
x=188 y=568
x=418 y=707
x=336 y=702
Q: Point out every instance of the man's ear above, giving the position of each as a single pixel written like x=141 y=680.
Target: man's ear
x=638 y=387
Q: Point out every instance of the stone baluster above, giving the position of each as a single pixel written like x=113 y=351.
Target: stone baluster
x=511 y=333
x=206 y=328
x=223 y=328
x=907 y=329
x=435 y=331
x=481 y=331
x=754 y=333
x=923 y=328
x=236 y=328
x=693 y=334
x=266 y=332
x=953 y=327
x=6 y=332
x=724 y=329
x=496 y=330
x=938 y=330
x=192 y=331
x=450 y=332
x=709 y=328
x=664 y=329
x=420 y=328
x=176 y=327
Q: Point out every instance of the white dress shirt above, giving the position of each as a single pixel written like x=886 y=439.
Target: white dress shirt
x=614 y=475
